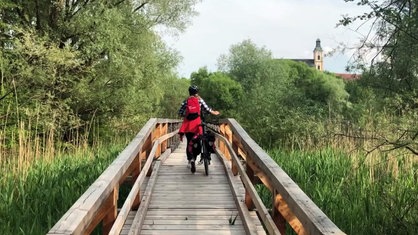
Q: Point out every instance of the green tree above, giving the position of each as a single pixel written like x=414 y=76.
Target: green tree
x=394 y=78
x=293 y=103
x=175 y=91
x=283 y=100
x=219 y=90
x=244 y=63
x=78 y=61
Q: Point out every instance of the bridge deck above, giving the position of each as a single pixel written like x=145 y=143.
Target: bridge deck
x=186 y=203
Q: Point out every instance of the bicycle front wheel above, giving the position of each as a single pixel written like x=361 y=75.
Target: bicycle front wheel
x=206 y=163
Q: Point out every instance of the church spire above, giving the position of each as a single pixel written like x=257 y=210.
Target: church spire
x=318 y=56
x=318 y=45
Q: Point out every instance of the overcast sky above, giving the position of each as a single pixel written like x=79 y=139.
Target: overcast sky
x=288 y=28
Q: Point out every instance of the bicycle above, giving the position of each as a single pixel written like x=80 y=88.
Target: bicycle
x=203 y=145
x=207 y=146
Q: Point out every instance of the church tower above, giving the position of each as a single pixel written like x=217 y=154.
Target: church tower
x=318 y=56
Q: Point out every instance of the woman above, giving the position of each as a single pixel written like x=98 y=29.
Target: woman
x=190 y=110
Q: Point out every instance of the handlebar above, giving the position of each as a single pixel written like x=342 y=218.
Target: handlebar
x=207 y=124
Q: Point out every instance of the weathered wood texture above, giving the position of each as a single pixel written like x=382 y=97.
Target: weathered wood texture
x=98 y=203
x=290 y=202
x=175 y=201
x=186 y=203
x=250 y=192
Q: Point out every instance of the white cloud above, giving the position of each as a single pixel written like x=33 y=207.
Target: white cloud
x=289 y=28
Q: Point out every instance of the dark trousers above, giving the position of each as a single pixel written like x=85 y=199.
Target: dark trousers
x=191 y=154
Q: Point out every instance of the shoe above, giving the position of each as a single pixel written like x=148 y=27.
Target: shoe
x=193 y=166
x=200 y=161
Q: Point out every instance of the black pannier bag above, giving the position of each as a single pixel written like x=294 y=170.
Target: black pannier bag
x=210 y=143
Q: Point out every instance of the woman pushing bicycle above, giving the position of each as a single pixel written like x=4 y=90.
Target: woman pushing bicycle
x=190 y=110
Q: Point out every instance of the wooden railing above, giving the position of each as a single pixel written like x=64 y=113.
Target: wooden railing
x=246 y=159
x=290 y=204
x=99 y=202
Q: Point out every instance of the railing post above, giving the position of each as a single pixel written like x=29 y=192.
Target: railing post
x=248 y=201
x=164 y=143
x=135 y=174
x=281 y=210
x=147 y=149
x=155 y=134
x=112 y=212
x=234 y=167
x=278 y=218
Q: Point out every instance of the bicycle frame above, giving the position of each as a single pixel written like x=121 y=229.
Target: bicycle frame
x=205 y=144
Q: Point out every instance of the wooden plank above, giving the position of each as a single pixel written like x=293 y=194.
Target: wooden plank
x=192 y=203
x=78 y=218
x=192 y=232
x=262 y=210
x=225 y=206
x=202 y=227
x=191 y=212
x=249 y=225
x=183 y=202
x=313 y=219
x=90 y=208
x=124 y=212
x=200 y=221
x=139 y=217
x=191 y=217
x=198 y=198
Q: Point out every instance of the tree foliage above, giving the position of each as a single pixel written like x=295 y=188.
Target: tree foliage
x=244 y=63
x=393 y=79
x=219 y=91
x=71 y=62
x=282 y=99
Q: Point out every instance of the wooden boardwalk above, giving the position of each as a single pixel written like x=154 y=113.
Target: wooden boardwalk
x=168 y=199
x=186 y=203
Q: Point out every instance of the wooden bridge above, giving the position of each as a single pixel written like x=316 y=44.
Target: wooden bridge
x=164 y=197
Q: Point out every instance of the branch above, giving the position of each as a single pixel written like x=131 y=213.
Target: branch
x=140 y=6
x=383 y=17
x=8 y=93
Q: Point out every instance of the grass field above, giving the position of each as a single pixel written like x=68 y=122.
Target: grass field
x=31 y=202
x=361 y=195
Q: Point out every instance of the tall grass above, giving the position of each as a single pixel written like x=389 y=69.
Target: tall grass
x=42 y=177
x=33 y=203
x=362 y=195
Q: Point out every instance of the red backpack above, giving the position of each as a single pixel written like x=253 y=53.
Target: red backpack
x=192 y=108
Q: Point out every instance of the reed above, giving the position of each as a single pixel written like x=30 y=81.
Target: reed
x=361 y=194
x=33 y=202
x=43 y=176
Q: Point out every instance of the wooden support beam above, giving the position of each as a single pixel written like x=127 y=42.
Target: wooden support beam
x=99 y=201
x=248 y=201
x=221 y=145
x=261 y=209
x=278 y=218
x=259 y=173
x=105 y=212
x=314 y=221
x=234 y=168
x=163 y=132
x=135 y=174
x=281 y=206
x=249 y=226
x=111 y=213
